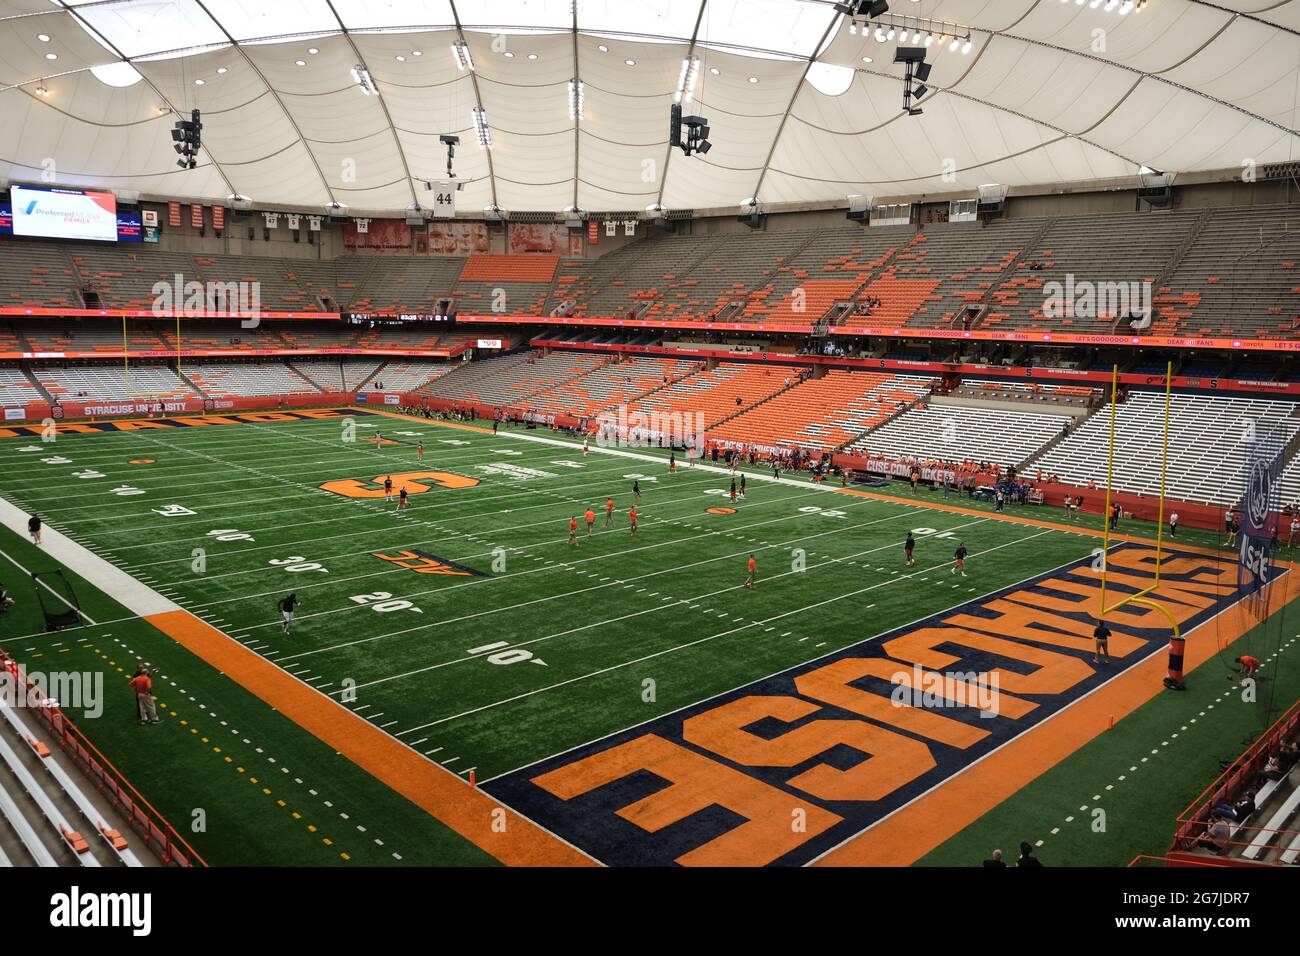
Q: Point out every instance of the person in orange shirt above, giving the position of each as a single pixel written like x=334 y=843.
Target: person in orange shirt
x=573 y=531
x=631 y=518
x=751 y=568
x=142 y=684
x=1248 y=665
x=591 y=520
x=609 y=512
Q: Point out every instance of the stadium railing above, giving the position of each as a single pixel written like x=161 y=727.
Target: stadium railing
x=1240 y=776
x=152 y=826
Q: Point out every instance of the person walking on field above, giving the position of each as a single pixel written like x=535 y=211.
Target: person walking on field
x=287 y=607
x=142 y=683
x=751 y=572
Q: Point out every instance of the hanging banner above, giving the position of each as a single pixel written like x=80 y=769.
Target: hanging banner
x=454 y=239
x=294 y=219
x=272 y=220
x=313 y=223
x=174 y=214
x=219 y=218
x=196 y=216
x=629 y=227
x=593 y=232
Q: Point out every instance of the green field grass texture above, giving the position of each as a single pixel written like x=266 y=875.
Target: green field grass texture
x=241 y=784
x=554 y=648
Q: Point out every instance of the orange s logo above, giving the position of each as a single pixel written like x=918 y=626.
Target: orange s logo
x=416 y=482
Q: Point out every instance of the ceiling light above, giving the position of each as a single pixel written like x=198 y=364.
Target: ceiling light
x=508 y=55
x=460 y=52
x=361 y=76
x=532 y=56
x=41 y=90
x=577 y=97
x=866 y=59
x=312 y=50
x=715 y=71
x=602 y=48
x=417 y=53
x=51 y=56
x=199 y=82
x=482 y=131
x=300 y=62
x=753 y=79
x=630 y=62
x=43 y=37
x=686 y=79
x=966 y=46
x=929 y=38
x=221 y=71
x=953 y=44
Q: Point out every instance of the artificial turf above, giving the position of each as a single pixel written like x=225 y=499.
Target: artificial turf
x=510 y=645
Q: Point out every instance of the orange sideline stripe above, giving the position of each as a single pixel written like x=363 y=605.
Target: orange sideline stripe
x=443 y=795
x=914 y=830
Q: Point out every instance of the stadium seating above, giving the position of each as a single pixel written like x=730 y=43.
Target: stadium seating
x=508 y=380
x=102 y=383
x=719 y=393
x=16 y=388
x=346 y=375
x=50 y=337
x=924 y=278
x=406 y=376
x=37 y=274
x=1112 y=248
x=612 y=384
x=1207 y=452
x=961 y=432
x=263 y=378
x=1254 y=290
x=826 y=412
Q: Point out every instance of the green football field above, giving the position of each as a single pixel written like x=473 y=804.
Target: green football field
x=466 y=626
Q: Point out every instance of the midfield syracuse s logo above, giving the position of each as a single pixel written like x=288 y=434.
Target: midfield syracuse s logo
x=416 y=482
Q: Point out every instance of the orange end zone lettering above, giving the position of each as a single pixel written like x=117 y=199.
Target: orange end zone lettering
x=858 y=735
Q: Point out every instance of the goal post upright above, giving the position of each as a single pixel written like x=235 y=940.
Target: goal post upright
x=1141 y=597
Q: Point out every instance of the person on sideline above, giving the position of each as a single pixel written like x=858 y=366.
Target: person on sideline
x=142 y=683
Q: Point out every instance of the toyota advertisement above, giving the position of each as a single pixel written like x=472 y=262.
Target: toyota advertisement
x=67 y=214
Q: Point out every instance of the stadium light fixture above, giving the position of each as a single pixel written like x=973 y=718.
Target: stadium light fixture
x=686 y=79
x=362 y=78
x=464 y=59
x=187 y=139
x=482 y=131
x=577 y=96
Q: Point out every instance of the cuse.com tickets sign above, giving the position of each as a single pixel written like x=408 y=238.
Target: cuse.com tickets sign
x=64 y=213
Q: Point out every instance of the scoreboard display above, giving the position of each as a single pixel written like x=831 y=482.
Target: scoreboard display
x=47 y=212
x=398 y=318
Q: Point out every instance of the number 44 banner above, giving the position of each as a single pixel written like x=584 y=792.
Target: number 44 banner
x=444 y=200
